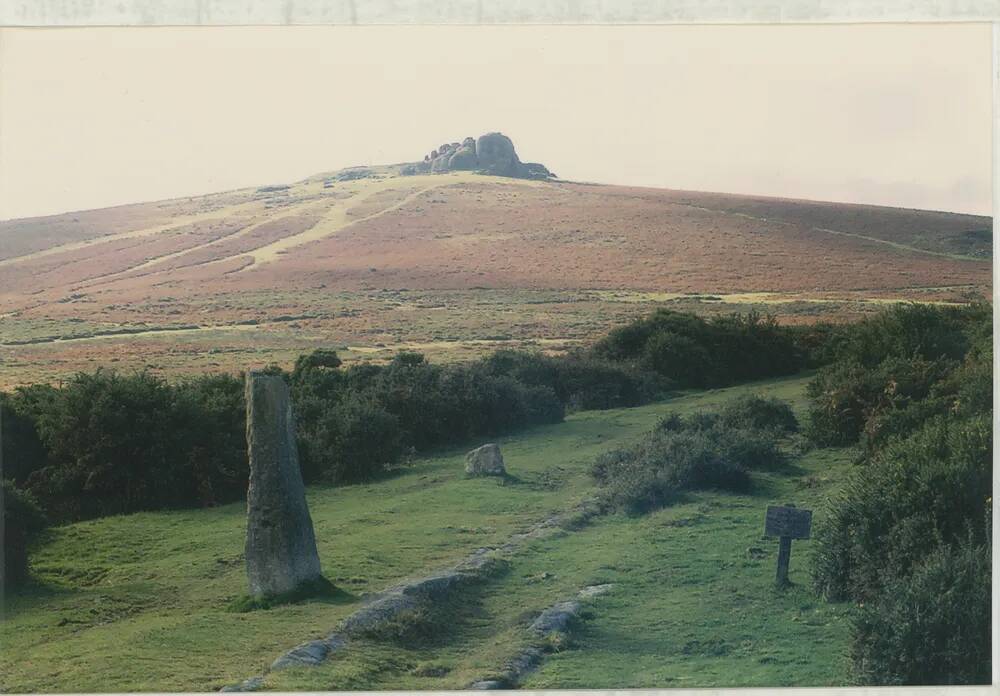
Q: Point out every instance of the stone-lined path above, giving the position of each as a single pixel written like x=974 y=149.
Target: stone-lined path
x=423 y=593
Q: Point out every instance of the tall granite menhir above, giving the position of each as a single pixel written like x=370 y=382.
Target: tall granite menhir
x=281 y=545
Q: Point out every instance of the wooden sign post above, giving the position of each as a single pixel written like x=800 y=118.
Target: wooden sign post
x=786 y=522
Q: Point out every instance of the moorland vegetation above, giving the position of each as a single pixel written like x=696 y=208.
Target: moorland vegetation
x=909 y=390
x=908 y=538
x=106 y=443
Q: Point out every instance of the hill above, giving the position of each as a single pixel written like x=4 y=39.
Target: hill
x=370 y=260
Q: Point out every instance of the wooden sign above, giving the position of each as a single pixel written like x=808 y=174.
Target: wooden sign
x=781 y=521
x=786 y=523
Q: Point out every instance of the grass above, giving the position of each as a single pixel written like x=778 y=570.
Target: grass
x=142 y=602
x=229 y=331
x=320 y=587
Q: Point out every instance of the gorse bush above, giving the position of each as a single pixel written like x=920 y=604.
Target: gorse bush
x=699 y=452
x=213 y=438
x=106 y=443
x=849 y=400
x=908 y=537
x=906 y=331
x=919 y=493
x=116 y=444
x=693 y=352
x=911 y=356
x=580 y=381
x=356 y=440
x=656 y=471
x=23 y=451
x=930 y=626
x=23 y=520
x=757 y=412
x=356 y=423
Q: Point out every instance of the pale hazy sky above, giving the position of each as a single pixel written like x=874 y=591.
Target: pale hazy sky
x=886 y=114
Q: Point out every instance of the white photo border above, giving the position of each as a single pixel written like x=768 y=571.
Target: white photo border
x=123 y=13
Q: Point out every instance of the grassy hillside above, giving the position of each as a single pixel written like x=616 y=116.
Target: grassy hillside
x=140 y=602
x=454 y=265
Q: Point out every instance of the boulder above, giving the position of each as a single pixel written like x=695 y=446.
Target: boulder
x=281 y=550
x=557 y=618
x=534 y=170
x=354 y=173
x=496 y=155
x=492 y=153
x=485 y=461
x=463 y=158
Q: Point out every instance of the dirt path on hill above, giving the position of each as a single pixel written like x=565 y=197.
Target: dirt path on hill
x=224 y=212
x=289 y=212
x=334 y=221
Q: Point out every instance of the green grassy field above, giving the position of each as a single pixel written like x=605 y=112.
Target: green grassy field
x=140 y=602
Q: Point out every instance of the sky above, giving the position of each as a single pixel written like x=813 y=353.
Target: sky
x=893 y=115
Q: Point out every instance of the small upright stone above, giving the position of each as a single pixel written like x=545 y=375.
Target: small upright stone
x=485 y=461
x=281 y=545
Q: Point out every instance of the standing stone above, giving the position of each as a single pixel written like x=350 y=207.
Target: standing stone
x=281 y=545
x=485 y=461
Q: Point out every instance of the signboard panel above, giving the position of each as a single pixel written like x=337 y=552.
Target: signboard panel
x=781 y=521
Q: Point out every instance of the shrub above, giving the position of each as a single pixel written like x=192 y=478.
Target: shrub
x=23 y=451
x=922 y=492
x=579 y=381
x=753 y=449
x=756 y=412
x=660 y=467
x=354 y=440
x=320 y=358
x=112 y=438
x=542 y=405
x=968 y=389
x=930 y=626
x=926 y=332
x=212 y=439
x=692 y=352
x=679 y=358
x=703 y=460
x=849 y=399
x=891 y=372
x=117 y=444
x=23 y=519
x=631 y=483
x=700 y=420
x=356 y=424
x=907 y=537
x=838 y=396
x=683 y=454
